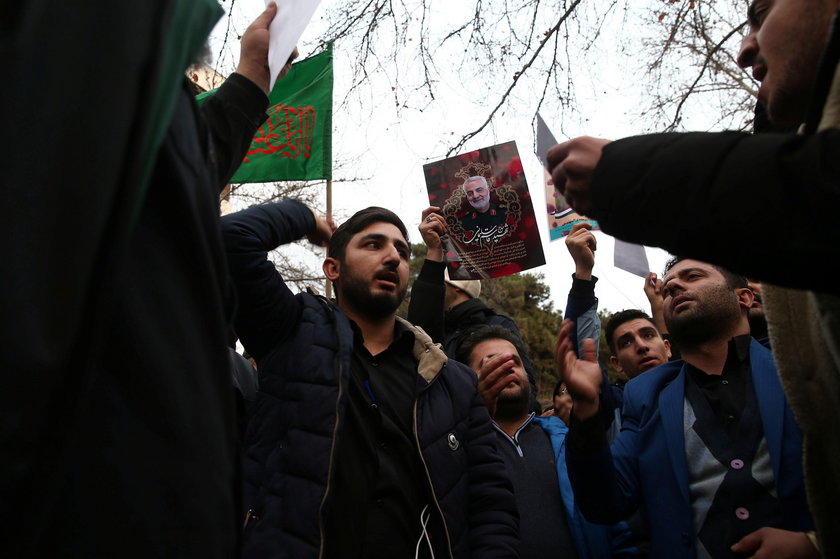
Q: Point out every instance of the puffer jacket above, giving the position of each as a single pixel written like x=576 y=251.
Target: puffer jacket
x=303 y=346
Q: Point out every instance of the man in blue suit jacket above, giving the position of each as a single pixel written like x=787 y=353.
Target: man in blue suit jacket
x=709 y=448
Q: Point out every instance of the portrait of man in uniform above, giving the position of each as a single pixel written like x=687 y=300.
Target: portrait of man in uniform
x=484 y=212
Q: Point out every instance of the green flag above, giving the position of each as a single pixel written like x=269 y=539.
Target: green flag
x=295 y=142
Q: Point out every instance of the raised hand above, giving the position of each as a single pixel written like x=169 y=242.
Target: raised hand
x=253 y=49
x=582 y=244
x=324 y=228
x=653 y=292
x=494 y=374
x=582 y=376
x=572 y=165
x=432 y=226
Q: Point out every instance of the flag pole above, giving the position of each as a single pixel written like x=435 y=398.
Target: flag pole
x=328 y=286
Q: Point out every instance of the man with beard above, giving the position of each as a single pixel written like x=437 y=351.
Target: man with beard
x=447 y=308
x=533 y=449
x=709 y=448
x=485 y=213
x=674 y=190
x=485 y=222
x=117 y=427
x=365 y=440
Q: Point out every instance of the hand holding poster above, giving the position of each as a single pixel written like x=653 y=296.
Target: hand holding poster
x=484 y=199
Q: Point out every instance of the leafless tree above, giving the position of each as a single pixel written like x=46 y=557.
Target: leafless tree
x=519 y=55
x=530 y=52
x=497 y=49
x=293 y=263
x=689 y=52
x=506 y=53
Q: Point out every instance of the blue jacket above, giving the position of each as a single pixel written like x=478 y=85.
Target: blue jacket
x=592 y=541
x=303 y=346
x=646 y=464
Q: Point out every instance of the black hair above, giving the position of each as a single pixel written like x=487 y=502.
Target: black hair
x=557 y=388
x=619 y=318
x=476 y=335
x=733 y=280
x=358 y=222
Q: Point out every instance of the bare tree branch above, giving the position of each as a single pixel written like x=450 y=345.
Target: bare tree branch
x=708 y=59
x=549 y=34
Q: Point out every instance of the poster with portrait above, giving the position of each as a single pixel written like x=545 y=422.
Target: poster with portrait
x=491 y=227
x=561 y=216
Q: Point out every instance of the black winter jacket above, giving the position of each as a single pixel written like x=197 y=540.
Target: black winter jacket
x=303 y=345
x=117 y=427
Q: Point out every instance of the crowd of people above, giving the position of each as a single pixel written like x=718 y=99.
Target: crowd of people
x=132 y=428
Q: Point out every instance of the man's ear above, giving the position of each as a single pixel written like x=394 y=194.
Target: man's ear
x=332 y=269
x=616 y=364
x=745 y=297
x=667 y=346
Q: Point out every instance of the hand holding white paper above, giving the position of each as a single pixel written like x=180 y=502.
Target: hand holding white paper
x=286 y=30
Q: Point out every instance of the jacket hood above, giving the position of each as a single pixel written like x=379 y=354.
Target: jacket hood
x=462 y=313
x=429 y=355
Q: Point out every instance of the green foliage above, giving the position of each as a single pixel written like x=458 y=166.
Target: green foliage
x=526 y=299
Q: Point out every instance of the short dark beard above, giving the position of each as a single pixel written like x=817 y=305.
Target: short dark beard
x=513 y=408
x=355 y=292
x=718 y=308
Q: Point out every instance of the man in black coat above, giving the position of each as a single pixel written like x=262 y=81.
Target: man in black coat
x=117 y=425
x=774 y=193
x=365 y=440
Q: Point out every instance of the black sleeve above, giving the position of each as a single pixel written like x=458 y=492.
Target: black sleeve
x=232 y=116
x=425 y=308
x=761 y=205
x=587 y=437
x=267 y=310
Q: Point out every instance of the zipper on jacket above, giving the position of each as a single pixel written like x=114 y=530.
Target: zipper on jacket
x=248 y=517
x=321 y=528
x=331 y=462
x=431 y=485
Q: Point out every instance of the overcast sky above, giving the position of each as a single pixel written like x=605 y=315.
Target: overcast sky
x=388 y=150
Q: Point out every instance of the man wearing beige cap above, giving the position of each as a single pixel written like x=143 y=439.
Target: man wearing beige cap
x=459 y=291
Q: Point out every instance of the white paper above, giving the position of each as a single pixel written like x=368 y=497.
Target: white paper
x=631 y=258
x=285 y=31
